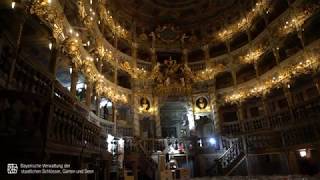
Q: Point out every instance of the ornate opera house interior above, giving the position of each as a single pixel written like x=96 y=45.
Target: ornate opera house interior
x=160 y=89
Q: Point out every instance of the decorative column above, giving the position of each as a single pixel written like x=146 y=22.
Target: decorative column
x=135 y=112
x=240 y=111
x=289 y=97
x=115 y=77
x=275 y=52
x=157 y=116
x=240 y=115
x=228 y=46
x=153 y=56
x=114 y=118
x=256 y=69
x=135 y=104
x=206 y=52
x=249 y=35
x=215 y=106
x=265 y=108
x=17 y=50
x=185 y=56
x=316 y=82
x=53 y=58
x=74 y=81
x=98 y=98
x=134 y=53
x=88 y=94
x=273 y=45
x=234 y=77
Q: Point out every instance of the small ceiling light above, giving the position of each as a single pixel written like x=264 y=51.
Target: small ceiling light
x=50 y=45
x=13 y=4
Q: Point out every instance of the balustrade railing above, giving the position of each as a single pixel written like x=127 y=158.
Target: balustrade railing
x=305 y=112
x=231 y=156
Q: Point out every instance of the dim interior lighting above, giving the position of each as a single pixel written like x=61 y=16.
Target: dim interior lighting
x=212 y=141
x=13 y=4
x=88 y=43
x=70 y=31
x=90 y=1
x=50 y=45
x=70 y=70
x=77 y=34
x=303 y=153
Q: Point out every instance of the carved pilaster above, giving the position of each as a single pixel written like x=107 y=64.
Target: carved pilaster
x=234 y=77
x=153 y=56
x=289 y=97
x=89 y=94
x=240 y=111
x=134 y=53
x=256 y=70
x=157 y=116
x=228 y=46
x=275 y=52
x=74 y=80
x=185 y=56
x=206 y=54
x=249 y=35
x=135 y=113
x=114 y=118
x=215 y=106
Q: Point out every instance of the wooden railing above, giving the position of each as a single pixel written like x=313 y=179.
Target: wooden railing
x=40 y=110
x=305 y=112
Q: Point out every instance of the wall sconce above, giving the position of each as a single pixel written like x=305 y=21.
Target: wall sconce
x=13 y=4
x=50 y=45
x=303 y=153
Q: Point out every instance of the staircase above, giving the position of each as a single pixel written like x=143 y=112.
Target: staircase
x=229 y=160
x=146 y=165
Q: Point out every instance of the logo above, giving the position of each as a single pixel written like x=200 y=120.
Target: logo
x=12 y=168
